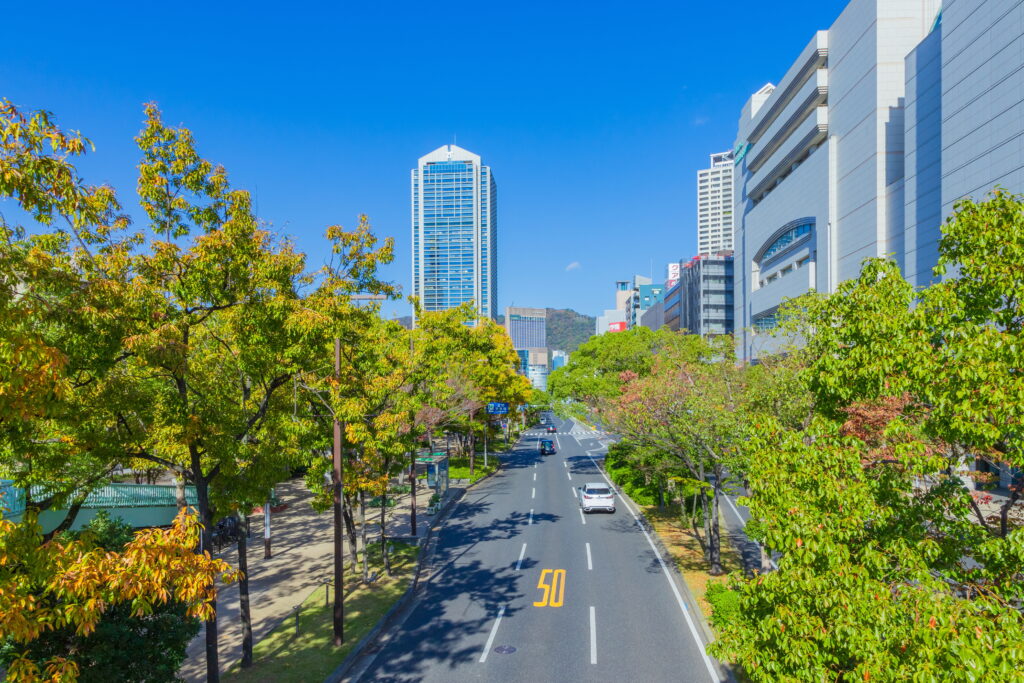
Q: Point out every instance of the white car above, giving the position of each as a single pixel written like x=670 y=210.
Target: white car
x=596 y=497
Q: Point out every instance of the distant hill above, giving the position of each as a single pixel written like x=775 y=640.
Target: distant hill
x=567 y=329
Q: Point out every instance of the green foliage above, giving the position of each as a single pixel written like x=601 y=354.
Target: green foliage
x=726 y=605
x=109 y=533
x=622 y=468
x=567 y=330
x=141 y=649
x=890 y=570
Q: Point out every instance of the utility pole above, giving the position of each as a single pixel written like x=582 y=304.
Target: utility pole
x=339 y=561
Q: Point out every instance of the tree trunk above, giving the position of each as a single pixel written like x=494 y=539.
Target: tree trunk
x=383 y=533
x=714 y=534
x=362 y=533
x=243 y=590
x=179 y=492
x=350 y=525
x=472 y=447
x=766 y=558
x=206 y=517
x=1004 y=512
x=412 y=492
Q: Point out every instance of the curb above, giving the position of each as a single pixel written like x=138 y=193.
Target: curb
x=428 y=546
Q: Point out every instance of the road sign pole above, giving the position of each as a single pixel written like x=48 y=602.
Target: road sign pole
x=487 y=428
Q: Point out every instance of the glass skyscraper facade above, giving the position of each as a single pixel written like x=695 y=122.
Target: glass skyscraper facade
x=454 y=232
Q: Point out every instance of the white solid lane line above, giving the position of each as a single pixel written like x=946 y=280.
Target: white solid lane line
x=668 y=577
x=590 y=564
x=494 y=632
x=582 y=516
x=593 y=636
x=531 y=516
x=522 y=554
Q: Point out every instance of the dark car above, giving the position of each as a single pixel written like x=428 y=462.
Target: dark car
x=547 y=447
x=552 y=429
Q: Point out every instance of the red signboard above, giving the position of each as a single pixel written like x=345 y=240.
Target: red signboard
x=616 y=327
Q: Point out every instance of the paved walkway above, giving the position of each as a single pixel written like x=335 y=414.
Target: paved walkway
x=302 y=559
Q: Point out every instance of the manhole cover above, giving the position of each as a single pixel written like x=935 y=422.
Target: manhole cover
x=504 y=649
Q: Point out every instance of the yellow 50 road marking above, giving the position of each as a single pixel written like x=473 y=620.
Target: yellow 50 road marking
x=552 y=582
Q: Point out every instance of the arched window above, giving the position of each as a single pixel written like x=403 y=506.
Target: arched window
x=788 y=236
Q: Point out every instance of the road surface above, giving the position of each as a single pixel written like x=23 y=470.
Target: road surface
x=527 y=588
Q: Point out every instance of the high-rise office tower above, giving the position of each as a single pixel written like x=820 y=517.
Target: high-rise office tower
x=526 y=326
x=714 y=205
x=454 y=232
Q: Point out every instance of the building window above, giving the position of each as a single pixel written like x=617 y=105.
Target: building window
x=787 y=237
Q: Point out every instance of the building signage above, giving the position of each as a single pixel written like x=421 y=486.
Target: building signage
x=740 y=152
x=617 y=327
x=496 y=408
x=673 y=271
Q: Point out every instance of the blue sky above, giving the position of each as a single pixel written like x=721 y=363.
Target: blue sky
x=594 y=116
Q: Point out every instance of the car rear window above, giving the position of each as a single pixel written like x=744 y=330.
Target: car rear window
x=598 y=491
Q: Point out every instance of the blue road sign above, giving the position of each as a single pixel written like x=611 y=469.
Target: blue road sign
x=496 y=408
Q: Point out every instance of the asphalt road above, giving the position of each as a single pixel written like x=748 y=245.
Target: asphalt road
x=610 y=612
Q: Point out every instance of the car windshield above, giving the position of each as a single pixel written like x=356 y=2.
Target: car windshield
x=598 y=491
x=545 y=443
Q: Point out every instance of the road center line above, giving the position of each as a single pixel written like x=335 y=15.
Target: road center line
x=569 y=474
x=522 y=554
x=582 y=516
x=494 y=632
x=535 y=476
x=593 y=636
x=533 y=493
x=668 y=577
x=590 y=564
x=565 y=464
x=531 y=516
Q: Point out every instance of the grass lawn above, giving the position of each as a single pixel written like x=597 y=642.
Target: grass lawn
x=307 y=653
x=458 y=468
x=687 y=553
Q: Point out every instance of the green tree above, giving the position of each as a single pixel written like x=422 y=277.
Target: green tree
x=124 y=646
x=595 y=374
x=689 y=411
x=890 y=570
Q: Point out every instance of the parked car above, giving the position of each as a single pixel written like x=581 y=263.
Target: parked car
x=596 y=496
x=547 y=447
x=552 y=429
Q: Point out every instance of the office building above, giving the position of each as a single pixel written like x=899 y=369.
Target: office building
x=706 y=295
x=714 y=205
x=672 y=307
x=820 y=163
x=454 y=232
x=526 y=326
x=654 y=317
x=559 y=359
x=641 y=299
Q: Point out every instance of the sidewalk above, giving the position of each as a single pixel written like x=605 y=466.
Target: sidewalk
x=302 y=548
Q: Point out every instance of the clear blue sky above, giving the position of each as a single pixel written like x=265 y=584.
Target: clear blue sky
x=594 y=116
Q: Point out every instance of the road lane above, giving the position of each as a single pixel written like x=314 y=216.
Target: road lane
x=583 y=601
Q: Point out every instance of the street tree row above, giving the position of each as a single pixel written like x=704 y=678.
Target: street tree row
x=860 y=445
x=199 y=344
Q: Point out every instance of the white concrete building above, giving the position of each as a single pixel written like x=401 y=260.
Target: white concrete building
x=714 y=205
x=820 y=163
